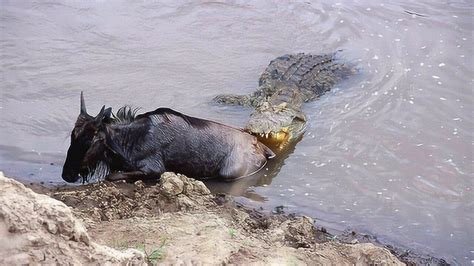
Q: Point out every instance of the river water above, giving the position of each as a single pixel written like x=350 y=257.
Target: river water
x=388 y=151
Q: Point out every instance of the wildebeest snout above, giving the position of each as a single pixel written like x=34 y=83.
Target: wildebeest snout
x=69 y=176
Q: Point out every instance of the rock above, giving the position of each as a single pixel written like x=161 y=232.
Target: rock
x=36 y=229
x=300 y=232
x=171 y=185
x=358 y=254
x=183 y=193
x=297 y=232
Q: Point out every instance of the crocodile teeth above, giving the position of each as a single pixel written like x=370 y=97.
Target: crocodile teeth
x=281 y=136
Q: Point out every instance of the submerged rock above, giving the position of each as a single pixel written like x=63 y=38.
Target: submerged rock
x=35 y=229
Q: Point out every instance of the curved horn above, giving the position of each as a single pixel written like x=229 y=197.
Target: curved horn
x=101 y=113
x=83 y=105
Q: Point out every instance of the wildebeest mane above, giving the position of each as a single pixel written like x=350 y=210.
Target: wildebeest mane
x=125 y=115
x=192 y=121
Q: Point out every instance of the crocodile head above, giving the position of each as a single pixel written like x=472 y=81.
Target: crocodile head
x=276 y=125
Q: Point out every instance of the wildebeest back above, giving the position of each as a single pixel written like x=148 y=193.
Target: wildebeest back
x=201 y=148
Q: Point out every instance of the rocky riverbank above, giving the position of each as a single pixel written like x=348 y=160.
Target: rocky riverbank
x=174 y=221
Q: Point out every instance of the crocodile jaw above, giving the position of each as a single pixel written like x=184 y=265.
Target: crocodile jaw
x=277 y=124
x=278 y=137
x=276 y=129
x=278 y=140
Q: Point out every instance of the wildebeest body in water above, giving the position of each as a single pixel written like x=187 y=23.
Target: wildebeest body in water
x=129 y=146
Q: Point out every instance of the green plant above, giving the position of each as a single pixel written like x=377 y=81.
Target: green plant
x=155 y=255
x=232 y=232
x=152 y=255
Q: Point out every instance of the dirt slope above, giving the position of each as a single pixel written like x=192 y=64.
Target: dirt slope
x=37 y=229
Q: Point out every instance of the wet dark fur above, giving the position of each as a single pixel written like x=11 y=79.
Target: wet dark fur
x=130 y=146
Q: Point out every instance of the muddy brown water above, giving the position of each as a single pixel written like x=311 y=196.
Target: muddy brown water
x=388 y=151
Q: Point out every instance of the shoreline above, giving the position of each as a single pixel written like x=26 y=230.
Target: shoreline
x=191 y=223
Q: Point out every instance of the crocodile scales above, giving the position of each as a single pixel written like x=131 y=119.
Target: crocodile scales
x=287 y=83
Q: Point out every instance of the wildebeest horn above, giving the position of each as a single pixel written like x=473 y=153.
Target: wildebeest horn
x=83 y=105
x=101 y=113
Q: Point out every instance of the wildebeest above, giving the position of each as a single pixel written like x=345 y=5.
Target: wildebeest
x=129 y=146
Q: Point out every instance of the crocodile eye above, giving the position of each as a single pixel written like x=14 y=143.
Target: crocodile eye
x=275 y=74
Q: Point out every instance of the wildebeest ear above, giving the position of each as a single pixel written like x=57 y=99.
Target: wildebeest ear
x=104 y=114
x=107 y=113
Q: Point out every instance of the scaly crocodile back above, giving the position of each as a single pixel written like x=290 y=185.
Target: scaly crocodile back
x=312 y=74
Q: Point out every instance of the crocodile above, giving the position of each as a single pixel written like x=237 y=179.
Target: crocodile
x=288 y=82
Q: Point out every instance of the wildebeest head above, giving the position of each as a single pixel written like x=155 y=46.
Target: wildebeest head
x=87 y=144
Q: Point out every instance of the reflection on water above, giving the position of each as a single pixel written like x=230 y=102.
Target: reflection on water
x=388 y=152
x=243 y=186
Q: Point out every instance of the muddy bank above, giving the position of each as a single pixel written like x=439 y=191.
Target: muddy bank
x=179 y=221
x=35 y=228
